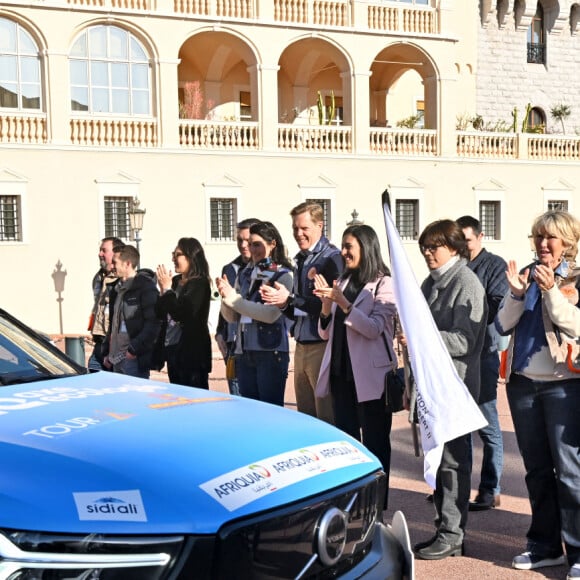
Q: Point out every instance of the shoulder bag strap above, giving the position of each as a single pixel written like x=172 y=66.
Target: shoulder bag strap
x=382 y=333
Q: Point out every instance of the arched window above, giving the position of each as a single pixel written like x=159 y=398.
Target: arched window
x=109 y=71
x=537 y=120
x=536 y=38
x=19 y=68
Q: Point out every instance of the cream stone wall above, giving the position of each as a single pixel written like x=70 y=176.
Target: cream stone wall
x=62 y=202
x=506 y=80
x=62 y=180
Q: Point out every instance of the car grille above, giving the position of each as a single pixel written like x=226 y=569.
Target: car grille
x=317 y=538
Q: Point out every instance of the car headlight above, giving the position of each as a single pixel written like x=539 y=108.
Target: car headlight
x=28 y=555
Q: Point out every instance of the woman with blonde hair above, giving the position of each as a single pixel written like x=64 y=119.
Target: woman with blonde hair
x=542 y=313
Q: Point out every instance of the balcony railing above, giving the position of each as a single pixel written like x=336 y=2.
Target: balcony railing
x=192 y=7
x=18 y=128
x=319 y=139
x=376 y=15
x=113 y=132
x=136 y=5
x=488 y=145
x=403 y=141
x=553 y=147
x=227 y=136
x=536 y=53
x=318 y=12
x=401 y=19
x=245 y=136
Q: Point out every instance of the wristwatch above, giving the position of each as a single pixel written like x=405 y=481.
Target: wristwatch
x=290 y=300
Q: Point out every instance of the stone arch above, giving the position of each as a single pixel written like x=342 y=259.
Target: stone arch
x=216 y=67
x=29 y=26
x=406 y=68
x=143 y=37
x=306 y=66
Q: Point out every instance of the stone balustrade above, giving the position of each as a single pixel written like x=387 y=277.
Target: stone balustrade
x=410 y=142
x=314 y=139
x=227 y=136
x=377 y=15
x=245 y=136
x=26 y=129
x=553 y=147
x=110 y=132
x=489 y=145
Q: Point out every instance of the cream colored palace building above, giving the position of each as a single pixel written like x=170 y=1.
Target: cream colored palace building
x=210 y=111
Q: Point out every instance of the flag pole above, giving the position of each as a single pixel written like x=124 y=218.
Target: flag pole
x=386 y=200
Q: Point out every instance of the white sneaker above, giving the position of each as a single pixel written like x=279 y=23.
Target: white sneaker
x=531 y=561
x=574 y=572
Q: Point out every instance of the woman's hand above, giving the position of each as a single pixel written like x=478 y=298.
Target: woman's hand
x=544 y=277
x=329 y=295
x=164 y=278
x=223 y=286
x=276 y=295
x=321 y=289
x=517 y=282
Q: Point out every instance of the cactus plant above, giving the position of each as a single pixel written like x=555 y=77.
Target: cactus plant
x=330 y=111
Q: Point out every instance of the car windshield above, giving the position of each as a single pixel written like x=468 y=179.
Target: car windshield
x=26 y=357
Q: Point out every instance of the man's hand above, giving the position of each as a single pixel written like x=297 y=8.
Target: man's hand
x=276 y=295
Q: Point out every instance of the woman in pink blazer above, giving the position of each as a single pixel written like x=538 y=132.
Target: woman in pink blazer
x=357 y=321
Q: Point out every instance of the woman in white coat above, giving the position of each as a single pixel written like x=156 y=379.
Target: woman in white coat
x=357 y=321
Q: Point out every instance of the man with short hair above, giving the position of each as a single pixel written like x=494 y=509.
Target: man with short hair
x=316 y=256
x=99 y=321
x=226 y=331
x=491 y=271
x=133 y=326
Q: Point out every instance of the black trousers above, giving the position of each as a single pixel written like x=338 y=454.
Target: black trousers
x=179 y=375
x=369 y=422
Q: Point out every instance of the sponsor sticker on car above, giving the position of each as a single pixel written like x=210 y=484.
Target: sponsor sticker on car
x=251 y=482
x=120 y=506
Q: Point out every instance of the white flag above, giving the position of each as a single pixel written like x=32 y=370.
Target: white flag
x=445 y=408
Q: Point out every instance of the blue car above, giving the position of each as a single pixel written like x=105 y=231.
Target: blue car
x=106 y=476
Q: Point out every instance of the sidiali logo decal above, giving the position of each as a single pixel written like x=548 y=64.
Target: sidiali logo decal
x=246 y=484
x=117 y=506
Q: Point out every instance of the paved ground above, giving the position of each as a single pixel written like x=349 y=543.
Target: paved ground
x=493 y=537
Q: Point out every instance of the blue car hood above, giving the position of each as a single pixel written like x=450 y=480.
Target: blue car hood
x=114 y=454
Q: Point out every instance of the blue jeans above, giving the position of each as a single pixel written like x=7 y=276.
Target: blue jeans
x=233 y=387
x=96 y=357
x=262 y=375
x=547 y=426
x=131 y=367
x=490 y=435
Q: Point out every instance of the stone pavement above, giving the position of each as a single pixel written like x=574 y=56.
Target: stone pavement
x=494 y=537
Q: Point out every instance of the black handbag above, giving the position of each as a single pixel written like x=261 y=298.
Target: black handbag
x=394 y=390
x=394 y=383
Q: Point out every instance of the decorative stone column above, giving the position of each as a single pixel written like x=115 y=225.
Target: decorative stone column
x=360 y=110
x=167 y=112
x=58 y=102
x=268 y=105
